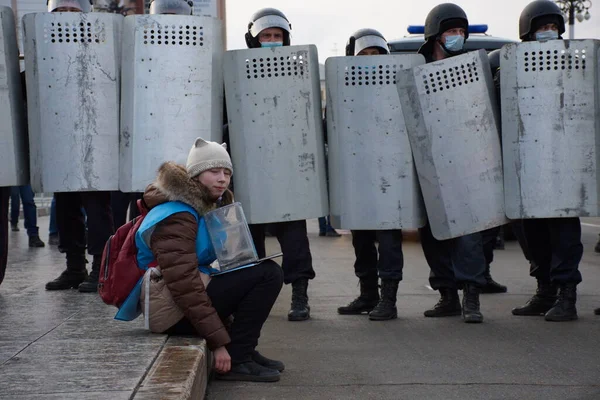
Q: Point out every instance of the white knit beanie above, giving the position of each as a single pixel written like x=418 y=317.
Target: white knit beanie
x=205 y=155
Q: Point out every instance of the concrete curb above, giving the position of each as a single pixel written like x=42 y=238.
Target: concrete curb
x=179 y=372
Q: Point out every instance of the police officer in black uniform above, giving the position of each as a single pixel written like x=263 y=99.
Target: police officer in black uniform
x=269 y=27
x=554 y=243
x=71 y=221
x=459 y=262
x=390 y=262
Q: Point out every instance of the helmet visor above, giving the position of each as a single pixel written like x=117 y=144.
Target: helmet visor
x=69 y=5
x=370 y=41
x=177 y=7
x=269 y=21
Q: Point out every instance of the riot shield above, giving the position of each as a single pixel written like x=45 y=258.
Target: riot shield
x=172 y=92
x=551 y=128
x=14 y=162
x=72 y=65
x=276 y=133
x=372 y=179
x=450 y=112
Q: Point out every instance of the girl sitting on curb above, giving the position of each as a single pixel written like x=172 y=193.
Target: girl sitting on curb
x=183 y=298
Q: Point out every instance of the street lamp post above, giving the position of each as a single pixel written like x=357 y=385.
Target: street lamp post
x=575 y=9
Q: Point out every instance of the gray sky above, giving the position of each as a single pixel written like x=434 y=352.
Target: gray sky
x=327 y=23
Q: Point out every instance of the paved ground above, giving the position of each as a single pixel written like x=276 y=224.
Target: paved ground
x=507 y=357
x=66 y=345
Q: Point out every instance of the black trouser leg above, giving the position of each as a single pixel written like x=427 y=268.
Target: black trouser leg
x=258 y=237
x=4 y=196
x=99 y=220
x=365 y=266
x=248 y=294
x=519 y=232
x=391 y=258
x=468 y=260
x=539 y=245
x=297 y=260
x=70 y=222
x=489 y=237
x=437 y=254
x=119 y=202
x=567 y=250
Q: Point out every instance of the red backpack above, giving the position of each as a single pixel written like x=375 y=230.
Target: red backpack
x=119 y=272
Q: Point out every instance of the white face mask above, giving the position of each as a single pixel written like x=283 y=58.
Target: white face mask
x=546 y=35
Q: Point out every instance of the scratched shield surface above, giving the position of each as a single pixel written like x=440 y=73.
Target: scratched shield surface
x=551 y=128
x=451 y=116
x=72 y=65
x=276 y=132
x=14 y=157
x=172 y=92
x=373 y=183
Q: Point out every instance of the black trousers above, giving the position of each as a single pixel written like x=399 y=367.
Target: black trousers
x=71 y=221
x=120 y=202
x=489 y=238
x=293 y=239
x=4 y=196
x=390 y=262
x=454 y=262
x=247 y=294
x=555 y=248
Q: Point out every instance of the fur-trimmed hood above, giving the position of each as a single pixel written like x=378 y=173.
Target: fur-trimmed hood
x=174 y=184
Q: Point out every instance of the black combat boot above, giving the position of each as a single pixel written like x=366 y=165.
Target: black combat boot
x=542 y=301
x=35 y=241
x=90 y=285
x=386 y=308
x=300 y=310
x=470 y=304
x=597 y=311
x=564 y=308
x=73 y=275
x=491 y=286
x=448 y=306
x=368 y=299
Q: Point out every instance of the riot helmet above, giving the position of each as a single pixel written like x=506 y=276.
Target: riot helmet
x=177 y=7
x=440 y=19
x=537 y=14
x=69 y=6
x=264 y=19
x=365 y=38
x=494 y=58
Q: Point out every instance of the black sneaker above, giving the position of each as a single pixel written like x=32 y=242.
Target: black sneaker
x=250 y=372
x=14 y=227
x=267 y=362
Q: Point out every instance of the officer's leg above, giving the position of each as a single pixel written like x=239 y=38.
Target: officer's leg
x=537 y=236
x=100 y=227
x=297 y=265
x=258 y=237
x=70 y=222
x=391 y=262
x=441 y=276
x=119 y=202
x=365 y=269
x=469 y=268
x=4 y=196
x=567 y=250
x=15 y=206
x=489 y=237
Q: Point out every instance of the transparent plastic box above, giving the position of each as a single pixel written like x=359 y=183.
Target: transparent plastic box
x=230 y=237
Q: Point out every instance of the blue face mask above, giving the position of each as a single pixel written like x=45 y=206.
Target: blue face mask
x=271 y=44
x=546 y=35
x=455 y=43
